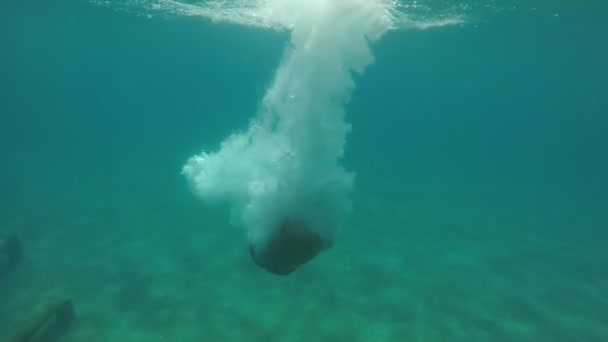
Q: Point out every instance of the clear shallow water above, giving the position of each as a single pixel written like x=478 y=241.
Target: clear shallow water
x=480 y=200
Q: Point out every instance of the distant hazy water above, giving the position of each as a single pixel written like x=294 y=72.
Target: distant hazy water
x=480 y=200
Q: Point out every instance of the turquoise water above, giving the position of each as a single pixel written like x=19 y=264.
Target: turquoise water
x=480 y=202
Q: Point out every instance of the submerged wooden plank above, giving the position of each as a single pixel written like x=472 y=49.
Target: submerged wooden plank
x=47 y=322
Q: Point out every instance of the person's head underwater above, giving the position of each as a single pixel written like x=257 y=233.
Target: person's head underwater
x=290 y=245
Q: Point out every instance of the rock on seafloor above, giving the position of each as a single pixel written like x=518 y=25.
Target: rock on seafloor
x=47 y=322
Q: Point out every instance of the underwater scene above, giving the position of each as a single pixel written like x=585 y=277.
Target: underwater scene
x=303 y=170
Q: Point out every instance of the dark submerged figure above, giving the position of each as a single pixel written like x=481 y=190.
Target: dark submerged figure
x=292 y=244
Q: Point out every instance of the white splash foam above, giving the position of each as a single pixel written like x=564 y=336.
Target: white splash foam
x=279 y=14
x=288 y=161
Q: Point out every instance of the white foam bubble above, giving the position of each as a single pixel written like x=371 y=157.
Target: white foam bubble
x=280 y=14
x=288 y=162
